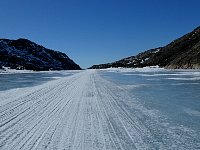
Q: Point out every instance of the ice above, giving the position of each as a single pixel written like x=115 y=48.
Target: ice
x=192 y=112
x=185 y=79
x=92 y=109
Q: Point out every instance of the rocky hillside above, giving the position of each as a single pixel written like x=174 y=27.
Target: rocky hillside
x=24 y=54
x=183 y=53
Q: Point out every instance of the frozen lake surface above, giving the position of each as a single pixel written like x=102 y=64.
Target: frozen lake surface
x=27 y=79
x=101 y=109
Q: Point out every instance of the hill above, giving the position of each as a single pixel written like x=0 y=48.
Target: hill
x=182 y=53
x=24 y=54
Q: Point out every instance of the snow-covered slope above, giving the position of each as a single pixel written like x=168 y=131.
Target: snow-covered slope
x=24 y=54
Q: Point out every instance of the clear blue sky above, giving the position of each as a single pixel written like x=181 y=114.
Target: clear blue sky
x=98 y=31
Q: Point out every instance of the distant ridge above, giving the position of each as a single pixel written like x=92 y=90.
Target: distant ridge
x=182 y=53
x=24 y=54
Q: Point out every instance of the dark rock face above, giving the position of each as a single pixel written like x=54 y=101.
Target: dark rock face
x=183 y=53
x=24 y=54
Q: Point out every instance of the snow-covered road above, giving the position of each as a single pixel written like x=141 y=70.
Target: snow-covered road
x=82 y=111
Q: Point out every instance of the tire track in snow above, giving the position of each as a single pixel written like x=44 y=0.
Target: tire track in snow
x=38 y=111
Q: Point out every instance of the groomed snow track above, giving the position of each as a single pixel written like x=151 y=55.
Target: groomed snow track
x=83 y=111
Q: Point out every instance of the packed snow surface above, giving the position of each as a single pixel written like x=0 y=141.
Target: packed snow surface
x=88 y=111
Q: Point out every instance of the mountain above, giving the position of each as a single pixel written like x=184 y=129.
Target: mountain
x=24 y=54
x=182 y=53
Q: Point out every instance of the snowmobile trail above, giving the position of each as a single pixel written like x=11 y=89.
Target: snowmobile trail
x=82 y=111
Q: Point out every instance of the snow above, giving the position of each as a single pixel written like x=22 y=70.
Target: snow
x=7 y=70
x=157 y=50
x=83 y=111
x=144 y=69
x=66 y=114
